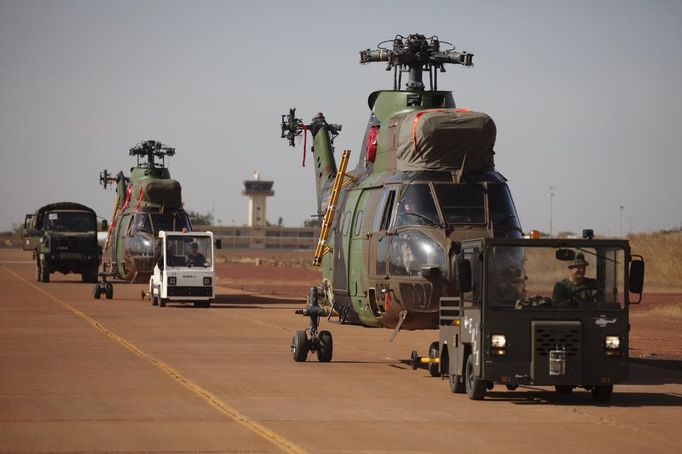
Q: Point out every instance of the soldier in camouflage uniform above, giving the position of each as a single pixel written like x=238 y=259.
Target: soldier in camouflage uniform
x=576 y=287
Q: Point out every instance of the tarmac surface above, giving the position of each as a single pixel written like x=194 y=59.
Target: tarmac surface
x=122 y=376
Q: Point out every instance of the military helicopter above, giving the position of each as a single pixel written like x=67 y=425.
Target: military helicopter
x=425 y=179
x=146 y=202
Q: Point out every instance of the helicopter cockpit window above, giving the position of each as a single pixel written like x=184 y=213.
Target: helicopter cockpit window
x=462 y=203
x=416 y=206
x=172 y=221
x=412 y=250
x=188 y=251
x=70 y=221
x=141 y=223
x=503 y=213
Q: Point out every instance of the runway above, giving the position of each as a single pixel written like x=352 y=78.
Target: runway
x=123 y=376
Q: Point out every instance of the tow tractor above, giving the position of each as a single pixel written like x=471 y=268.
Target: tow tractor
x=184 y=271
x=521 y=317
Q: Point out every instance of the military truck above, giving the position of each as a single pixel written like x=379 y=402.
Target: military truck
x=63 y=238
x=522 y=318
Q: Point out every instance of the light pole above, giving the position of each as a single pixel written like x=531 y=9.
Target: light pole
x=551 y=198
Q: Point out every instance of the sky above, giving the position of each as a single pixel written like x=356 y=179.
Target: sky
x=587 y=98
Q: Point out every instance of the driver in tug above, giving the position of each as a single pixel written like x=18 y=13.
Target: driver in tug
x=576 y=287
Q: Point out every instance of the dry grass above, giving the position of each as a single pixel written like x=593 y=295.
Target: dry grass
x=671 y=311
x=662 y=252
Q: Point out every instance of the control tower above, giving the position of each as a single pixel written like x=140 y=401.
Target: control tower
x=257 y=190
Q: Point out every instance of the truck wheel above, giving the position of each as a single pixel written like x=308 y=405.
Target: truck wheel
x=511 y=387
x=155 y=301
x=602 y=393
x=326 y=347
x=96 y=291
x=109 y=291
x=564 y=390
x=162 y=302
x=299 y=346
x=475 y=386
x=44 y=272
x=434 y=369
x=457 y=384
x=207 y=304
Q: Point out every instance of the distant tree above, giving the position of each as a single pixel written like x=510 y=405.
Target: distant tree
x=280 y=221
x=313 y=222
x=200 y=219
x=566 y=234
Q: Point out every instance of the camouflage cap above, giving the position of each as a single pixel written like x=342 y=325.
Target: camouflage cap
x=578 y=261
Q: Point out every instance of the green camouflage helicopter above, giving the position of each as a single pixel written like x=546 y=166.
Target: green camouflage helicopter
x=424 y=180
x=147 y=202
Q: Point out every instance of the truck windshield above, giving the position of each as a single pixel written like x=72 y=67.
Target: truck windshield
x=71 y=221
x=184 y=251
x=580 y=278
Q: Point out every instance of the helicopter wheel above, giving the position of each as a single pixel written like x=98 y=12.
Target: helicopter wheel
x=300 y=346
x=325 y=347
x=109 y=290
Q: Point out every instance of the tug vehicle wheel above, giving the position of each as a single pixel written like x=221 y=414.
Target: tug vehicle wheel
x=602 y=393
x=475 y=387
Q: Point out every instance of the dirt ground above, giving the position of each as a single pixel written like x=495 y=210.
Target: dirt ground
x=656 y=323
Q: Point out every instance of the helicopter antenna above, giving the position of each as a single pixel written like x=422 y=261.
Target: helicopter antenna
x=151 y=149
x=415 y=54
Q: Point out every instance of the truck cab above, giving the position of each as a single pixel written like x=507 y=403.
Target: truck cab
x=539 y=312
x=63 y=238
x=184 y=271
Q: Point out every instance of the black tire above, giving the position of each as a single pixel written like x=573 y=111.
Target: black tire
x=564 y=390
x=109 y=290
x=511 y=387
x=44 y=272
x=475 y=387
x=207 y=304
x=602 y=393
x=456 y=383
x=299 y=346
x=434 y=369
x=155 y=300
x=414 y=360
x=96 y=292
x=162 y=302
x=326 y=347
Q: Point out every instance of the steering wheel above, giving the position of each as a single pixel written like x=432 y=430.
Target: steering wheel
x=591 y=291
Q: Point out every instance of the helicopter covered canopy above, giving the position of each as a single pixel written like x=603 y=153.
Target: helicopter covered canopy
x=443 y=139
x=162 y=192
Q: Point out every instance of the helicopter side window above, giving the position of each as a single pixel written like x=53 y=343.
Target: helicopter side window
x=462 y=203
x=346 y=223
x=416 y=206
x=358 y=223
x=383 y=215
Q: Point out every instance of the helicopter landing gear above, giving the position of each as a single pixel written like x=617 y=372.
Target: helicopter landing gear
x=311 y=340
x=103 y=288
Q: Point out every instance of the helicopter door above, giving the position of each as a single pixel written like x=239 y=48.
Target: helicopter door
x=340 y=282
x=357 y=269
x=379 y=240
